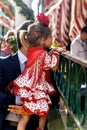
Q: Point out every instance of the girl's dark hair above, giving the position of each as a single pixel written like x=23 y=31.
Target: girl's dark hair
x=23 y=26
x=36 y=31
x=84 y=29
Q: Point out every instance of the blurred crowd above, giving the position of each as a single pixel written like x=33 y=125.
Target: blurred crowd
x=7 y=44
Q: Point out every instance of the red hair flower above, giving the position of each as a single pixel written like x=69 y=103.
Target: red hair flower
x=35 y=34
x=43 y=19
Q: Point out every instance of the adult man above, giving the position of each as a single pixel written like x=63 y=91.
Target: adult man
x=79 y=44
x=10 y=68
x=79 y=49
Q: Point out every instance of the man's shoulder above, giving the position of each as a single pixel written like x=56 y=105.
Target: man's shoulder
x=8 y=59
x=76 y=41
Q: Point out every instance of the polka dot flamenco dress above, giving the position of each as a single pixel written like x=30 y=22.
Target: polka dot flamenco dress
x=33 y=85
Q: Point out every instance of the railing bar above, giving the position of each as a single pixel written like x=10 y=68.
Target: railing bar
x=71 y=114
x=76 y=59
x=69 y=79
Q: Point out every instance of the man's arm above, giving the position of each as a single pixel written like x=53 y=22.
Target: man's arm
x=6 y=99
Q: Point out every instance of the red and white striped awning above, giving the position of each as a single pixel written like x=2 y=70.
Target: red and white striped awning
x=7 y=10
x=50 y=5
x=78 y=17
x=67 y=17
x=6 y=21
x=59 y=16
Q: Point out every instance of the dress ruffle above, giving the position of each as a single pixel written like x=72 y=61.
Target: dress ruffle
x=40 y=107
x=34 y=85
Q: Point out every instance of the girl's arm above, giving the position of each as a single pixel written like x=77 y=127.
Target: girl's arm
x=52 y=58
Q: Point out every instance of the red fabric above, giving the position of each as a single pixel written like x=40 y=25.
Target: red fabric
x=33 y=53
x=47 y=2
x=33 y=85
x=43 y=19
x=7 y=10
x=44 y=113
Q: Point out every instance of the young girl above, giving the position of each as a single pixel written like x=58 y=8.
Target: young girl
x=34 y=85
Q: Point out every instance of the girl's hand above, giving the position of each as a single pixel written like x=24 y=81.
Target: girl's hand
x=61 y=49
x=58 y=50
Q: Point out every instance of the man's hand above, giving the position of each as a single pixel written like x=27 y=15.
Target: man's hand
x=17 y=110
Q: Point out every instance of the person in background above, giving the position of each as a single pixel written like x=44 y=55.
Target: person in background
x=10 y=68
x=34 y=85
x=79 y=49
x=79 y=44
x=10 y=38
x=5 y=49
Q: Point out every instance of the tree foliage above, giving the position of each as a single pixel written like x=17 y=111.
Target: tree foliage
x=13 y=43
x=25 y=10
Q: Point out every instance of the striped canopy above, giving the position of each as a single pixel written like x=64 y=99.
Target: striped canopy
x=67 y=17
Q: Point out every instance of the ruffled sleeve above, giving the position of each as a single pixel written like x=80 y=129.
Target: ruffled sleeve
x=51 y=61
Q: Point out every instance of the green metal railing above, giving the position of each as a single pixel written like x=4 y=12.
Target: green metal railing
x=69 y=77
